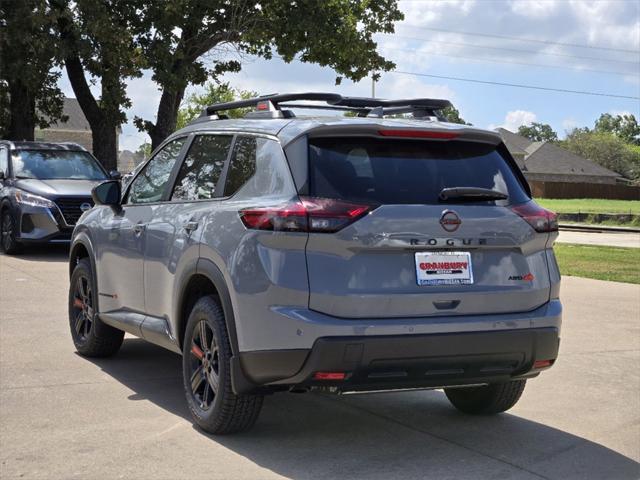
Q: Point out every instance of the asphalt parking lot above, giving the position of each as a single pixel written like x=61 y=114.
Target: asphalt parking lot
x=63 y=416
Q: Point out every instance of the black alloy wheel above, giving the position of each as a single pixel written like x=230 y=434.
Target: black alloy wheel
x=8 y=240
x=91 y=337
x=204 y=361
x=206 y=369
x=83 y=307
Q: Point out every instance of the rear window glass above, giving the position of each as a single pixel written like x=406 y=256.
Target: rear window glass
x=386 y=171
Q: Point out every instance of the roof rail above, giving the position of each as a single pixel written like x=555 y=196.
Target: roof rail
x=363 y=106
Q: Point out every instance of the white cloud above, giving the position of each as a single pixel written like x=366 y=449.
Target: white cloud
x=515 y=119
x=556 y=26
x=569 y=124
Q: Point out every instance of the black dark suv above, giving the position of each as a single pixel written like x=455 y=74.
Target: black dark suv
x=44 y=189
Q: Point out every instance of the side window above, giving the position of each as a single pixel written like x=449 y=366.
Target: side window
x=150 y=184
x=243 y=164
x=202 y=167
x=272 y=177
x=4 y=161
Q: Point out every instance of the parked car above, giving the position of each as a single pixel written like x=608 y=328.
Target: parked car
x=44 y=189
x=341 y=254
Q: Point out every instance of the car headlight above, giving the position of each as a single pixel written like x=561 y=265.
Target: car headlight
x=33 y=200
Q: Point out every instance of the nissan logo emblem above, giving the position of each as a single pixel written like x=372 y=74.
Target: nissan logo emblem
x=85 y=206
x=450 y=220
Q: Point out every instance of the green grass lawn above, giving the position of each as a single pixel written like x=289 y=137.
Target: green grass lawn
x=590 y=205
x=603 y=263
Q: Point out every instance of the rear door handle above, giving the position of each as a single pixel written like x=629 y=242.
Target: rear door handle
x=138 y=228
x=190 y=226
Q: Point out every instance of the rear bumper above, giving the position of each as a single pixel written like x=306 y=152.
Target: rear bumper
x=403 y=361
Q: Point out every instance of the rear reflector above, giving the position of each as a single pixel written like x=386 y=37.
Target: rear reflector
x=329 y=376
x=541 y=219
x=542 y=363
x=417 y=134
x=309 y=214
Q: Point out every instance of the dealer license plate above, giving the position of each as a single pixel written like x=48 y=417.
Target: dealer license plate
x=444 y=268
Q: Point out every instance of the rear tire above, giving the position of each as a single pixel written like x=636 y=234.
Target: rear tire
x=90 y=335
x=8 y=241
x=206 y=367
x=488 y=399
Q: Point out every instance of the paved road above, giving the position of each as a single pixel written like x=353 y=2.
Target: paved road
x=62 y=416
x=613 y=239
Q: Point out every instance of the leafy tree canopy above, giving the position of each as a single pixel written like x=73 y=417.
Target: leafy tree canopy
x=192 y=107
x=453 y=115
x=623 y=126
x=29 y=94
x=538 y=132
x=99 y=45
x=192 y=41
x=605 y=149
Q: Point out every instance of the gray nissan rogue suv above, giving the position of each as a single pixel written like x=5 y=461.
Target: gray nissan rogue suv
x=335 y=253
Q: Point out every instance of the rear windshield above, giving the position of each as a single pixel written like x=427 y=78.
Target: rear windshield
x=386 y=171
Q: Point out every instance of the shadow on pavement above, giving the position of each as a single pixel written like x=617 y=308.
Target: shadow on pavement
x=387 y=435
x=43 y=253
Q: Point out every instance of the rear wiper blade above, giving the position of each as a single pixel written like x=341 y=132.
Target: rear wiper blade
x=471 y=193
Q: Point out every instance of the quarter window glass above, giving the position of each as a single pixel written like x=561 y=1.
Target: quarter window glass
x=150 y=184
x=243 y=164
x=4 y=161
x=201 y=168
x=272 y=177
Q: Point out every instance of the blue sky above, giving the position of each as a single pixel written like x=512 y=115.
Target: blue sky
x=564 y=44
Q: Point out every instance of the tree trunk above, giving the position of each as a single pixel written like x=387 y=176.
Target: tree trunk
x=103 y=130
x=22 y=106
x=167 y=115
x=105 y=145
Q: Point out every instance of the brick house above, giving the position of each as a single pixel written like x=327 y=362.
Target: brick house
x=76 y=129
x=547 y=162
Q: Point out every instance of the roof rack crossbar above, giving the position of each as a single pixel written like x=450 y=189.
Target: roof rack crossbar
x=275 y=99
x=360 y=105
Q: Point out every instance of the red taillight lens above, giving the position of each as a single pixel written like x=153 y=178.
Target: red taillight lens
x=406 y=133
x=329 y=376
x=309 y=214
x=543 y=363
x=541 y=219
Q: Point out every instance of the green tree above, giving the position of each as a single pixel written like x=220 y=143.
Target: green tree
x=623 y=126
x=99 y=48
x=538 y=132
x=605 y=149
x=29 y=95
x=143 y=151
x=185 y=40
x=452 y=115
x=192 y=107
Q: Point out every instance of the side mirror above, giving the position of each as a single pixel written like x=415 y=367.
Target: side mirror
x=107 y=193
x=115 y=175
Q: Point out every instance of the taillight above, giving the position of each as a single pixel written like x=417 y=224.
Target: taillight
x=541 y=219
x=309 y=214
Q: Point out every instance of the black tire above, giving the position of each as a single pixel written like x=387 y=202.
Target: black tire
x=206 y=365
x=8 y=241
x=92 y=337
x=486 y=400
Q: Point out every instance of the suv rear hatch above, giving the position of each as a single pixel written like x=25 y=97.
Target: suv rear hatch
x=418 y=246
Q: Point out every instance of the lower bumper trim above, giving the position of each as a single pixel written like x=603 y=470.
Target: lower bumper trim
x=406 y=361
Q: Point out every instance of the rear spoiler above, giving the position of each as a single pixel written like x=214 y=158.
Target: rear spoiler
x=434 y=131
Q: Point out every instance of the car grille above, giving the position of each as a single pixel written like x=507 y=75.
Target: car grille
x=70 y=208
